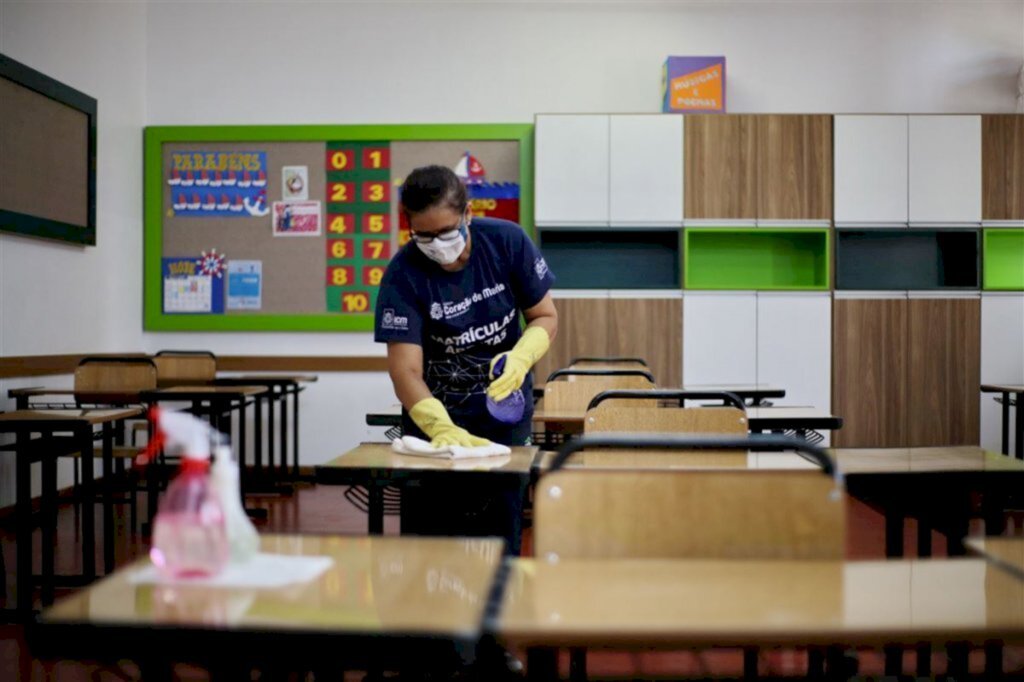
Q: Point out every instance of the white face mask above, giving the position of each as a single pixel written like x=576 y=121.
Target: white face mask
x=445 y=251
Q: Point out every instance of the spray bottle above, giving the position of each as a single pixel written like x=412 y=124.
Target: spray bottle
x=190 y=530
x=243 y=539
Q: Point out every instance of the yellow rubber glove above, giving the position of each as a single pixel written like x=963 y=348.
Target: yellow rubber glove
x=518 y=361
x=430 y=415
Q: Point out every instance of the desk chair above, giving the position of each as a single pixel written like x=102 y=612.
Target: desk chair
x=606 y=514
x=608 y=363
x=115 y=381
x=574 y=396
x=185 y=367
x=580 y=387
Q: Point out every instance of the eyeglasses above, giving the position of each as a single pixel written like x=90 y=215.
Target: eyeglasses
x=446 y=236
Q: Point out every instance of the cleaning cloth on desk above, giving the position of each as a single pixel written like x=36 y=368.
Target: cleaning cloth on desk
x=411 y=445
x=262 y=571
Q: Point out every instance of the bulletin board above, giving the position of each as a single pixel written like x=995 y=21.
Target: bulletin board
x=290 y=228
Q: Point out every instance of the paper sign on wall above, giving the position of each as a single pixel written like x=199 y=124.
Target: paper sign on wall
x=188 y=289
x=296 y=218
x=218 y=184
x=295 y=183
x=245 y=285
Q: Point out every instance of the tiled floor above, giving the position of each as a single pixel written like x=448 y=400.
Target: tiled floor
x=319 y=509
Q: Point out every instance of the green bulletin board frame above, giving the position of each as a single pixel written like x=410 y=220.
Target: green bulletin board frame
x=155 y=137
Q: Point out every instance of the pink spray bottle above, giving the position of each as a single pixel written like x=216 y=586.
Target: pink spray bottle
x=189 y=531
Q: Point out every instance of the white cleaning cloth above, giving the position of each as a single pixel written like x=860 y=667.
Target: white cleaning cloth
x=265 y=571
x=410 y=445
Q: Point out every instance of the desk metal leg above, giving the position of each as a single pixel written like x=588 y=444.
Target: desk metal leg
x=243 y=442
x=577 y=665
x=924 y=536
x=23 y=485
x=257 y=434
x=109 y=532
x=993 y=660
x=893 y=661
x=152 y=474
x=283 y=416
x=924 y=660
x=893 y=532
x=1006 y=423
x=375 y=513
x=295 y=431
x=957 y=655
x=271 y=435
x=750 y=663
x=48 y=507
x=88 y=492
x=542 y=664
x=1018 y=427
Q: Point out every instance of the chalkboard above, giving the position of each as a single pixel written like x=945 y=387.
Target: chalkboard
x=290 y=228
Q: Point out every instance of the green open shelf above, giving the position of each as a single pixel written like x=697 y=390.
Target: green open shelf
x=788 y=259
x=1003 y=259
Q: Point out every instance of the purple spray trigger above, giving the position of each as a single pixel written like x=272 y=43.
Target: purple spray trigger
x=510 y=410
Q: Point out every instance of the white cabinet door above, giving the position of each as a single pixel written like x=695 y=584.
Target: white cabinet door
x=571 y=174
x=1002 y=359
x=794 y=346
x=719 y=338
x=646 y=169
x=870 y=173
x=945 y=169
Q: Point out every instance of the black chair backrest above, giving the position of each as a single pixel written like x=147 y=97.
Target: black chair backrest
x=726 y=397
x=569 y=372
x=674 y=441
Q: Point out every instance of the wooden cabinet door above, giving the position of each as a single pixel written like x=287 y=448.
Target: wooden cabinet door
x=571 y=176
x=870 y=157
x=649 y=328
x=945 y=169
x=721 y=163
x=582 y=332
x=1002 y=359
x=794 y=161
x=646 y=169
x=1002 y=167
x=869 y=369
x=720 y=338
x=944 y=357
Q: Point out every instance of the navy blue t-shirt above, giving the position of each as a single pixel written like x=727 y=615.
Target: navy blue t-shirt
x=463 y=319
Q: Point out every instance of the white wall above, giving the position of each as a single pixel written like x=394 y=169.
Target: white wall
x=66 y=299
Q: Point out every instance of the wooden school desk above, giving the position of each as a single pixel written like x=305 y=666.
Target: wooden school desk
x=280 y=387
x=1007 y=390
x=756 y=394
x=933 y=485
x=1007 y=553
x=50 y=423
x=376 y=465
x=382 y=602
x=679 y=604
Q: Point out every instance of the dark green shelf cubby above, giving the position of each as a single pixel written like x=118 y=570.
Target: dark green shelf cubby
x=602 y=258
x=906 y=258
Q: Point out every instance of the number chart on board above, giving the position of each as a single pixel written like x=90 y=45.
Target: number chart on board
x=291 y=228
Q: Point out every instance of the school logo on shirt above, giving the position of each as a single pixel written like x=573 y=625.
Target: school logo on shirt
x=391 y=321
x=436 y=311
x=540 y=266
